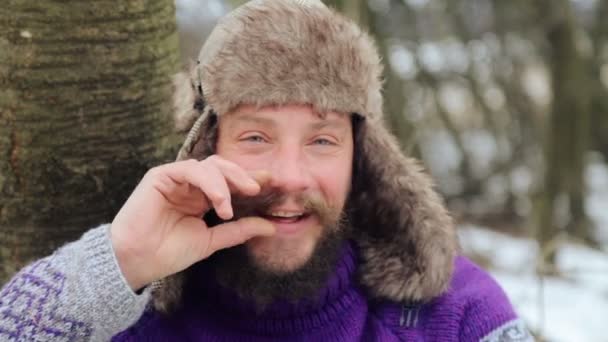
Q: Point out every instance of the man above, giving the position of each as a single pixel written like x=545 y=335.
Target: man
x=290 y=215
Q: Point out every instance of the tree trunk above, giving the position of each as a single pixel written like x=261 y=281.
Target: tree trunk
x=85 y=110
x=599 y=100
x=568 y=129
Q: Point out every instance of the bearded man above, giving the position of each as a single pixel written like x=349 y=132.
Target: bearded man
x=290 y=215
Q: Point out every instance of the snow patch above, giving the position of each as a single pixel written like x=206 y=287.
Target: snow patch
x=573 y=307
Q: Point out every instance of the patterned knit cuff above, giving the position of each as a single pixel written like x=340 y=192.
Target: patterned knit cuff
x=512 y=331
x=112 y=294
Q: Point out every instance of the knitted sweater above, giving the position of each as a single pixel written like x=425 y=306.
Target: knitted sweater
x=79 y=294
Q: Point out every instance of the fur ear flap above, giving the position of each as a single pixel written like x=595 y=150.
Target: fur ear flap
x=167 y=292
x=187 y=100
x=406 y=236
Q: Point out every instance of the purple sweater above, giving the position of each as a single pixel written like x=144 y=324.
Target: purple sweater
x=79 y=294
x=473 y=309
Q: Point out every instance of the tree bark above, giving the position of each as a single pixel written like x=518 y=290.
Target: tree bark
x=85 y=111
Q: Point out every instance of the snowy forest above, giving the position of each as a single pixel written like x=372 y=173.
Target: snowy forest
x=505 y=103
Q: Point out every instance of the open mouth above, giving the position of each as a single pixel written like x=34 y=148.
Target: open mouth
x=285 y=216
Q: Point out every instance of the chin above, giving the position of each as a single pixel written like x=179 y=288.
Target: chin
x=280 y=255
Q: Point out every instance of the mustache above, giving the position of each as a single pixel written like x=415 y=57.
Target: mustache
x=269 y=198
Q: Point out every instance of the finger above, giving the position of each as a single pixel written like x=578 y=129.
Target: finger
x=208 y=178
x=236 y=176
x=188 y=198
x=237 y=232
x=261 y=176
x=213 y=183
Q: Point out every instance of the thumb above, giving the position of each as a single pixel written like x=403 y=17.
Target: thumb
x=237 y=232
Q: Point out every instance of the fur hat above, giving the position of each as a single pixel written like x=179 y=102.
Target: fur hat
x=301 y=52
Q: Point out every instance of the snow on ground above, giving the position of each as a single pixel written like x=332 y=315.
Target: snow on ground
x=574 y=306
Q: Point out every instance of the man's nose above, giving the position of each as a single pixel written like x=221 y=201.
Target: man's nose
x=290 y=172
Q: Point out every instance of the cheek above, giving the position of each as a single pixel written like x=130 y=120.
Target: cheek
x=334 y=181
x=247 y=162
x=232 y=153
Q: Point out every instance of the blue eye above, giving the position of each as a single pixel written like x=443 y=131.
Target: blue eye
x=254 y=138
x=322 y=141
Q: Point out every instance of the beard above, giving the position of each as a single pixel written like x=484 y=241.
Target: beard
x=262 y=282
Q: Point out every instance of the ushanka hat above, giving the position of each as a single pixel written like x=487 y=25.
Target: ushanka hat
x=277 y=52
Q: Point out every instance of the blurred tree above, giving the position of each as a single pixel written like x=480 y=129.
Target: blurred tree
x=85 y=110
x=599 y=79
x=567 y=136
x=195 y=20
x=502 y=56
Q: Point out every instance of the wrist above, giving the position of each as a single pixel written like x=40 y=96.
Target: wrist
x=127 y=263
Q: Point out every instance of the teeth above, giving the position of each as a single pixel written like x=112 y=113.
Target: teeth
x=285 y=214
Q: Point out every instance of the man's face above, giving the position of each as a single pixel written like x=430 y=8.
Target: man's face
x=309 y=159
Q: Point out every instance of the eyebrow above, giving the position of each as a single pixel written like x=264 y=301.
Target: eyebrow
x=325 y=123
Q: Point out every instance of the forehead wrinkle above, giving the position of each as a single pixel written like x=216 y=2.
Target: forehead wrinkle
x=332 y=124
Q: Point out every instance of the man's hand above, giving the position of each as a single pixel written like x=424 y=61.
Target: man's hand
x=159 y=230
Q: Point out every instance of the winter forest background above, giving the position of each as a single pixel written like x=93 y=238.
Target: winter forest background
x=506 y=103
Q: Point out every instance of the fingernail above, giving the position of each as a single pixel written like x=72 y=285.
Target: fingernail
x=227 y=210
x=253 y=183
